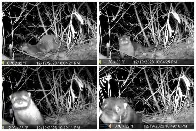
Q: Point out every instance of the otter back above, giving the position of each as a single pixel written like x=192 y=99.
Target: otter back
x=32 y=50
x=25 y=110
x=48 y=43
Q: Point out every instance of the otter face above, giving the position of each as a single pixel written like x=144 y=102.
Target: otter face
x=124 y=40
x=115 y=109
x=20 y=100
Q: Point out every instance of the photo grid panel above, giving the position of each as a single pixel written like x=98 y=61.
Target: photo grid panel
x=146 y=97
x=49 y=97
x=146 y=33
x=49 y=33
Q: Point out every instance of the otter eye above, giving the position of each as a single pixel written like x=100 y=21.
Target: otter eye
x=117 y=109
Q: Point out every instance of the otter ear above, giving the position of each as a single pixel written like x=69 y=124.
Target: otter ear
x=125 y=105
x=100 y=112
x=29 y=94
x=119 y=36
x=128 y=36
x=104 y=104
x=10 y=97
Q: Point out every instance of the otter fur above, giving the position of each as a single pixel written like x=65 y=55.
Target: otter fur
x=46 y=44
x=119 y=111
x=130 y=48
x=25 y=110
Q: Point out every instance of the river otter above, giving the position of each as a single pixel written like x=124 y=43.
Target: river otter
x=46 y=44
x=127 y=47
x=25 y=110
x=117 y=110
